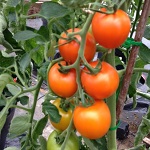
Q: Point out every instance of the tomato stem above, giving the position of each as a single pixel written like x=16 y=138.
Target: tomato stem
x=33 y=109
x=111 y=102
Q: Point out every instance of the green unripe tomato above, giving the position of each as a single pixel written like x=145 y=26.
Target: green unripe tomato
x=72 y=142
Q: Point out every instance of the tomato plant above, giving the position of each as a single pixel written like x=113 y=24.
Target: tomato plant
x=72 y=142
x=69 y=49
x=111 y=30
x=28 y=52
x=62 y=84
x=92 y=122
x=103 y=84
x=65 y=116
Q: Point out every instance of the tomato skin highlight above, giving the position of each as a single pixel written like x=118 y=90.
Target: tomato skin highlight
x=111 y=30
x=64 y=85
x=69 y=51
x=72 y=142
x=101 y=85
x=65 y=117
x=92 y=122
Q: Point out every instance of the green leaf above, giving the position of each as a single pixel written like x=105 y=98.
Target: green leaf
x=139 y=63
x=43 y=70
x=89 y=143
x=138 y=147
x=9 y=37
x=42 y=32
x=11 y=148
x=3 y=117
x=147 y=32
x=33 y=1
x=52 y=50
x=24 y=35
x=148 y=80
x=52 y=111
x=14 y=90
x=19 y=125
x=43 y=143
x=38 y=54
x=13 y=3
x=38 y=129
x=36 y=51
x=24 y=61
x=5 y=61
x=100 y=143
x=144 y=128
x=4 y=80
x=144 y=53
x=53 y=10
x=23 y=100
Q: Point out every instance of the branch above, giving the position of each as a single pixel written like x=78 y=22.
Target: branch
x=132 y=58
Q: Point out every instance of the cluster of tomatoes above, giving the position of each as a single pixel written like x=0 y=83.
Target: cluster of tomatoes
x=110 y=31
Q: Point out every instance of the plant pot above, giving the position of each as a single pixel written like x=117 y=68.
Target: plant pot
x=5 y=128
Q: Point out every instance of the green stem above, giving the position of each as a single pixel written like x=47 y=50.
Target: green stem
x=145 y=95
x=35 y=101
x=20 y=107
x=111 y=102
x=32 y=112
x=69 y=129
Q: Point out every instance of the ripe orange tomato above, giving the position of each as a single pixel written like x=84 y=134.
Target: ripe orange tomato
x=69 y=51
x=111 y=30
x=101 y=85
x=92 y=122
x=63 y=85
x=65 y=117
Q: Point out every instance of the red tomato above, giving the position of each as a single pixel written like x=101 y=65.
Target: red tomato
x=111 y=30
x=101 y=85
x=69 y=51
x=92 y=122
x=64 y=85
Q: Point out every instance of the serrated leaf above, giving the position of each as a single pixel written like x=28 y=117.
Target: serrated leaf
x=4 y=80
x=24 y=35
x=19 y=125
x=147 y=32
x=144 y=128
x=52 y=111
x=53 y=10
x=38 y=129
x=144 y=53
